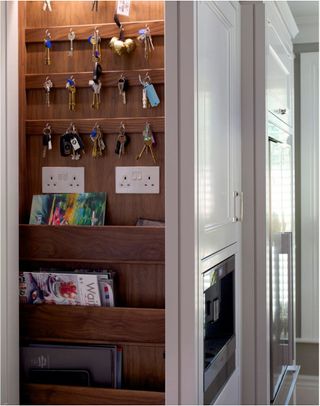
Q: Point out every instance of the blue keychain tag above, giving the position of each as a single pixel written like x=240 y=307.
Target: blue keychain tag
x=152 y=95
x=47 y=43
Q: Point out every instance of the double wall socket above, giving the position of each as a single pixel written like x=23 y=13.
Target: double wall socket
x=137 y=179
x=62 y=179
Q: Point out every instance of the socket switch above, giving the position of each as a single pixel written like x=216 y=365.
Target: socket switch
x=138 y=179
x=62 y=179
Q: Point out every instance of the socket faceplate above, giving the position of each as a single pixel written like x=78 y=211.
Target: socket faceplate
x=138 y=179
x=62 y=179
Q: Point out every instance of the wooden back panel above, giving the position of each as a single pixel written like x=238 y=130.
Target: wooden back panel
x=99 y=173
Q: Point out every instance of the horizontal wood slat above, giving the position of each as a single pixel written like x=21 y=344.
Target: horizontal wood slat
x=108 y=78
x=131 y=30
x=108 y=325
x=111 y=243
x=108 y=125
x=36 y=394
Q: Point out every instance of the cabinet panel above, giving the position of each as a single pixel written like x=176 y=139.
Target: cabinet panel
x=279 y=78
x=217 y=111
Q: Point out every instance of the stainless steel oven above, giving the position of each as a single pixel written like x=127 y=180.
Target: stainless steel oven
x=219 y=327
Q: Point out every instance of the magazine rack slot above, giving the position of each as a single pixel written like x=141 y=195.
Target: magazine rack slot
x=73 y=395
x=92 y=243
x=97 y=323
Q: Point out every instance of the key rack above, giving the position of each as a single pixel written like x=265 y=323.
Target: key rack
x=136 y=253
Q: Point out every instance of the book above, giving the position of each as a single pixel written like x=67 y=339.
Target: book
x=58 y=288
x=69 y=209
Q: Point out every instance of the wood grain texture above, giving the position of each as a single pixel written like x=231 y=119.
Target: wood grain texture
x=81 y=61
x=143 y=367
x=108 y=78
x=79 y=12
x=108 y=325
x=35 y=394
x=23 y=168
x=85 y=125
x=77 y=242
x=82 y=32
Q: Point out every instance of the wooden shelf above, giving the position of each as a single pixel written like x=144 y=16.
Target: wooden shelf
x=73 y=395
x=108 y=125
x=88 y=323
x=131 y=30
x=108 y=78
x=104 y=243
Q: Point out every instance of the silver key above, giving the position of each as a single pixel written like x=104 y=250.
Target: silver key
x=71 y=37
x=47 y=5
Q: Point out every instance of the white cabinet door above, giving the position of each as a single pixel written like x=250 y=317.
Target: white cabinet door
x=218 y=81
x=279 y=77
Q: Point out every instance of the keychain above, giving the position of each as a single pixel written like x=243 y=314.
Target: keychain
x=48 y=46
x=71 y=86
x=46 y=140
x=148 y=92
x=146 y=39
x=95 y=41
x=122 y=141
x=148 y=141
x=71 y=143
x=123 y=85
x=120 y=45
x=98 y=143
x=47 y=85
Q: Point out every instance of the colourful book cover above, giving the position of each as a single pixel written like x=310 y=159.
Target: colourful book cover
x=69 y=209
x=65 y=289
x=41 y=209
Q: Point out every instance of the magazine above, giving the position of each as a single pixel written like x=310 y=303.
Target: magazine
x=78 y=287
x=69 y=209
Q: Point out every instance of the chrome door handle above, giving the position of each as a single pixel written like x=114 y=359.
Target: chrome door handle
x=235 y=217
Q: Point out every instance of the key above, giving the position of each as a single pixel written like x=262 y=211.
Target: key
x=47 y=5
x=96 y=88
x=95 y=41
x=48 y=46
x=123 y=85
x=146 y=39
x=71 y=86
x=94 y=5
x=46 y=140
x=98 y=144
x=148 y=141
x=122 y=141
x=145 y=82
x=71 y=38
x=47 y=85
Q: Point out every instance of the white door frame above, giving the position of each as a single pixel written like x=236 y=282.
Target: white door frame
x=9 y=198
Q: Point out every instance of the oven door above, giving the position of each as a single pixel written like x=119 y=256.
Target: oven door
x=219 y=320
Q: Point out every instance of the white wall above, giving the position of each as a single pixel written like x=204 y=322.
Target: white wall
x=9 y=329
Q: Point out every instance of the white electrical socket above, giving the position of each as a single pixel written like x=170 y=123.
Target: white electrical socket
x=137 y=179
x=62 y=179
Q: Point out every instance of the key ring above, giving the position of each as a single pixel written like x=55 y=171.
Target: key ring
x=47 y=129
